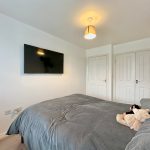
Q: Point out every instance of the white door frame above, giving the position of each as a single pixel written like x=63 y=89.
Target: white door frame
x=138 y=85
x=114 y=73
x=107 y=72
x=114 y=70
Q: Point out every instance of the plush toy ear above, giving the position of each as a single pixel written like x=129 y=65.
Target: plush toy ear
x=135 y=110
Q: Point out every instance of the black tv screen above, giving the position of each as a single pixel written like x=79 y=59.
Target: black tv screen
x=38 y=60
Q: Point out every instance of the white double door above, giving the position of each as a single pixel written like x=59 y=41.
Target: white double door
x=97 y=77
x=132 y=77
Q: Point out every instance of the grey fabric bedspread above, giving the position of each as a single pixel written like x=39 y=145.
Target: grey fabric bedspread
x=141 y=141
x=75 y=122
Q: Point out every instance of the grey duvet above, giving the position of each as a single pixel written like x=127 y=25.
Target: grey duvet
x=141 y=141
x=75 y=122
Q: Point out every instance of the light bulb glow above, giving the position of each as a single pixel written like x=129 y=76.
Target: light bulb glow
x=40 y=52
x=90 y=36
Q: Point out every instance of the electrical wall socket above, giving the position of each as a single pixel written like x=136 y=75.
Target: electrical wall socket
x=17 y=110
x=8 y=112
x=13 y=112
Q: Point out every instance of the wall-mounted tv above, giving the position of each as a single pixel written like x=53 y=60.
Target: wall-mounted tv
x=39 y=60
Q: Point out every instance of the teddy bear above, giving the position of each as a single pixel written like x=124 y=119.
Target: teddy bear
x=135 y=119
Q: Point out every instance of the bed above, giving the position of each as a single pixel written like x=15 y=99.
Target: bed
x=75 y=122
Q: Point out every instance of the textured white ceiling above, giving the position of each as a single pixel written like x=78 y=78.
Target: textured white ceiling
x=117 y=21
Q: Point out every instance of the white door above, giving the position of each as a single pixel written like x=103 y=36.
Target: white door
x=97 y=77
x=125 y=78
x=142 y=75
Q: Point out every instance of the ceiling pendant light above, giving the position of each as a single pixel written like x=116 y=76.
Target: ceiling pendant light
x=90 y=32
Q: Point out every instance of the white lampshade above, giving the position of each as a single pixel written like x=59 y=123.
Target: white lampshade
x=90 y=32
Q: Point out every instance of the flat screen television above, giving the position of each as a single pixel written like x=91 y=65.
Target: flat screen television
x=39 y=60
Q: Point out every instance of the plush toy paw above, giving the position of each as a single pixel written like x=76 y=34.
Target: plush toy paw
x=136 y=125
x=120 y=119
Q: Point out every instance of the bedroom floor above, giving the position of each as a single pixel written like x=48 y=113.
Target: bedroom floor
x=11 y=143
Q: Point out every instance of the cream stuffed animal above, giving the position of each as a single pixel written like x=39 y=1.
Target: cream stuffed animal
x=135 y=120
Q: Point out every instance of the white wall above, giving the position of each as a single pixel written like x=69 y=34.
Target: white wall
x=104 y=50
x=133 y=46
x=19 y=89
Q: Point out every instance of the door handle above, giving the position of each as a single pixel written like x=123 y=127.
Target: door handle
x=137 y=81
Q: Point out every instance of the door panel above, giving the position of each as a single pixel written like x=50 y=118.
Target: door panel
x=125 y=78
x=97 y=77
x=142 y=75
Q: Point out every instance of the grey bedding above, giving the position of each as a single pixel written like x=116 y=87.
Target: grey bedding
x=75 y=122
x=141 y=141
x=145 y=103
